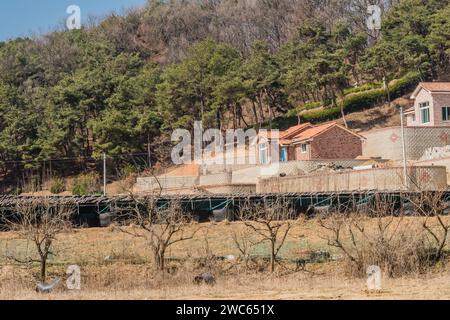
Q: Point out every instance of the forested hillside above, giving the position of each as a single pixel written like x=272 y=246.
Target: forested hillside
x=129 y=80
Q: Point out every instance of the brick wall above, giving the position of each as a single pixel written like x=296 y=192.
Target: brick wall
x=299 y=155
x=336 y=143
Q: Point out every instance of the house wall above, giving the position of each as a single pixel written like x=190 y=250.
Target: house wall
x=291 y=153
x=336 y=143
x=411 y=120
x=440 y=100
x=424 y=96
x=437 y=101
x=299 y=155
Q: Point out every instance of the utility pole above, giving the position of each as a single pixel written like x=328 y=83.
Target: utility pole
x=405 y=162
x=104 y=174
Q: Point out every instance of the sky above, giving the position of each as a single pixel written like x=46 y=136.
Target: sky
x=20 y=18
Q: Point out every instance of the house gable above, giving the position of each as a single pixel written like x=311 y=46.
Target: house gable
x=430 y=100
x=336 y=143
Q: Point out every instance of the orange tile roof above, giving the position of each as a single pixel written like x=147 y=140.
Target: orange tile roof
x=312 y=132
x=285 y=142
x=292 y=131
x=435 y=86
x=287 y=134
x=303 y=132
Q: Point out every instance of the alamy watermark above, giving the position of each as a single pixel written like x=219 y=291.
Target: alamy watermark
x=373 y=278
x=73 y=281
x=374 y=20
x=73 y=21
x=234 y=147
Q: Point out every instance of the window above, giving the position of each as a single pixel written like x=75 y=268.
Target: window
x=446 y=113
x=425 y=112
x=303 y=148
x=263 y=153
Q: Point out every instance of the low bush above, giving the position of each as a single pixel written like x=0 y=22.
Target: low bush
x=86 y=184
x=365 y=87
x=306 y=106
x=57 y=185
x=353 y=102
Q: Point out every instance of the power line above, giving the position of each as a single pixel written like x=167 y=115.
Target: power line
x=69 y=159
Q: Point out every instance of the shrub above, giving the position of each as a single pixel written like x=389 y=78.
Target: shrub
x=32 y=185
x=400 y=87
x=57 y=185
x=87 y=184
x=306 y=106
x=127 y=171
x=353 y=102
x=366 y=87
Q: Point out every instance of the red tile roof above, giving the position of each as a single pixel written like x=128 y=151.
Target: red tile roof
x=286 y=135
x=304 y=132
x=293 y=131
x=314 y=131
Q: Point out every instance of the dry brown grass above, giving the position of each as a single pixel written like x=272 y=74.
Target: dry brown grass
x=115 y=265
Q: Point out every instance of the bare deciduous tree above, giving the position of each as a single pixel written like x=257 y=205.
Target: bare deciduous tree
x=432 y=205
x=271 y=220
x=161 y=224
x=40 y=220
x=377 y=232
x=244 y=243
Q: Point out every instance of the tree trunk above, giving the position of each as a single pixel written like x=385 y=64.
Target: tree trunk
x=261 y=109
x=149 y=155
x=255 y=113
x=159 y=259
x=342 y=109
x=43 y=268
x=343 y=115
x=272 y=256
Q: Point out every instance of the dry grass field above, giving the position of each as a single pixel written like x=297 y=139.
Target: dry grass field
x=116 y=265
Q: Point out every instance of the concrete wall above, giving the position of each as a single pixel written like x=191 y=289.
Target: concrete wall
x=391 y=179
x=221 y=168
x=168 y=182
x=198 y=190
x=215 y=179
x=445 y=162
x=150 y=183
x=387 y=143
x=251 y=175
